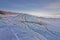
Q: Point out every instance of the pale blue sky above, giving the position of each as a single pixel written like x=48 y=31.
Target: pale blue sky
x=35 y=7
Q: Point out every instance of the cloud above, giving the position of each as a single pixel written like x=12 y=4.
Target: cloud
x=53 y=5
x=50 y=6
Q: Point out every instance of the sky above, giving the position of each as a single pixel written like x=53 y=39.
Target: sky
x=34 y=7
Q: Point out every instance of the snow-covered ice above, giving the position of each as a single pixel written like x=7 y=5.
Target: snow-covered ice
x=28 y=27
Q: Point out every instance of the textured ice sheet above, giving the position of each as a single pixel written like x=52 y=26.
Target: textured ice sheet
x=27 y=27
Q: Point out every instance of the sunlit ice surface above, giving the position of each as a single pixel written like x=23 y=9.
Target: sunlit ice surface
x=43 y=14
